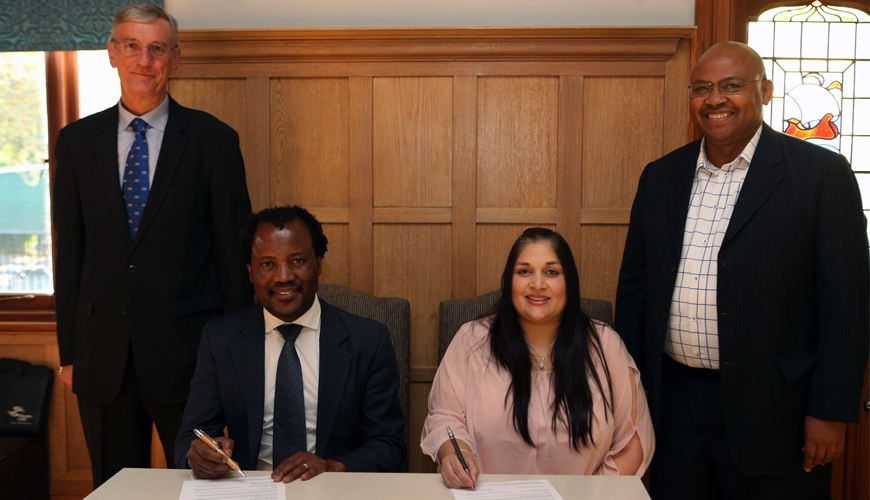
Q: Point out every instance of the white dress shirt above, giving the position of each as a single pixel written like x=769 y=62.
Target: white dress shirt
x=156 y=120
x=308 y=349
x=693 y=328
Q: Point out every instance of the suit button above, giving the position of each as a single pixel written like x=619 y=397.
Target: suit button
x=132 y=268
x=664 y=315
x=673 y=269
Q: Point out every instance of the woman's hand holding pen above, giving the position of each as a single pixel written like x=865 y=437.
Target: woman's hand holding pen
x=451 y=468
x=207 y=463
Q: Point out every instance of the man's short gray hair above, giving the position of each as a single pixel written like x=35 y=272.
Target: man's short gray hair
x=144 y=13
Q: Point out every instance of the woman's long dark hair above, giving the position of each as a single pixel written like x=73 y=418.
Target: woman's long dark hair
x=572 y=353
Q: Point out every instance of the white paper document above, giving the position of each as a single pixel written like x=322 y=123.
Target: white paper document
x=513 y=490
x=252 y=488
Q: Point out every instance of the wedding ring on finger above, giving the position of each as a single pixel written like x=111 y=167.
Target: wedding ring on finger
x=305 y=465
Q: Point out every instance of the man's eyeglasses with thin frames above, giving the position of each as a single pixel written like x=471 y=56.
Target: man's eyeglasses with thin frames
x=156 y=51
x=700 y=89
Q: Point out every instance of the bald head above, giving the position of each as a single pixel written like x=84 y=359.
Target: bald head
x=736 y=53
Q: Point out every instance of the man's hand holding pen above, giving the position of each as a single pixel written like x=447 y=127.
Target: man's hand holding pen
x=305 y=465
x=207 y=463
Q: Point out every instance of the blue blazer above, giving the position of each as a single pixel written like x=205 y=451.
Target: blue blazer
x=792 y=293
x=359 y=418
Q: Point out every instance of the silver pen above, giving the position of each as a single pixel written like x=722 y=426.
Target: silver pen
x=459 y=454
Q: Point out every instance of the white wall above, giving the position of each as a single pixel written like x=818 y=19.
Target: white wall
x=221 y=14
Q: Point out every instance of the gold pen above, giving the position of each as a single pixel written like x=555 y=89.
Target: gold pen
x=216 y=447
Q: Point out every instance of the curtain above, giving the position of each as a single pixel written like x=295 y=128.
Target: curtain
x=43 y=25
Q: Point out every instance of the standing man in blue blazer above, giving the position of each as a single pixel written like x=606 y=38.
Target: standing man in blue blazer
x=149 y=200
x=743 y=297
x=302 y=387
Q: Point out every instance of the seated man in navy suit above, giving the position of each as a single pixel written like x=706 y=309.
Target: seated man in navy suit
x=302 y=387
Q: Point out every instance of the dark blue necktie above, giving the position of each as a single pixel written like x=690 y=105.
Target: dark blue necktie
x=288 y=431
x=136 y=177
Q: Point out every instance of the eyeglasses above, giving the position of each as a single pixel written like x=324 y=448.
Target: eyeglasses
x=728 y=88
x=156 y=51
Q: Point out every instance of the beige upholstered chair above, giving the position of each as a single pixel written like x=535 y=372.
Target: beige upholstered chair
x=396 y=314
x=454 y=313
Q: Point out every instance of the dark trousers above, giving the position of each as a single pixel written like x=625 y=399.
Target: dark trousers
x=692 y=458
x=118 y=434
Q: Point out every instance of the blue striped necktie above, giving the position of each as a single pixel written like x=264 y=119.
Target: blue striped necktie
x=136 y=177
x=288 y=428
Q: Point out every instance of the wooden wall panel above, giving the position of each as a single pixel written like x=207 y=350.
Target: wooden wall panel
x=223 y=97
x=335 y=268
x=494 y=243
x=412 y=141
x=406 y=256
x=516 y=149
x=601 y=254
x=619 y=108
x=310 y=141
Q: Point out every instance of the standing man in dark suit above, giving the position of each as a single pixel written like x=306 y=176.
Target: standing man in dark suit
x=302 y=387
x=743 y=297
x=149 y=200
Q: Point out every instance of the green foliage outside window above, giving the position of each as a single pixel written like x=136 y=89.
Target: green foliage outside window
x=22 y=105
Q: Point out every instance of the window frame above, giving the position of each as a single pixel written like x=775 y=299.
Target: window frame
x=61 y=81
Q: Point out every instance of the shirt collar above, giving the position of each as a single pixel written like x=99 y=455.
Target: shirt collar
x=745 y=155
x=311 y=318
x=156 y=118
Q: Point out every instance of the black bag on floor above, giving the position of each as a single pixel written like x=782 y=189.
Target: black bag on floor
x=24 y=393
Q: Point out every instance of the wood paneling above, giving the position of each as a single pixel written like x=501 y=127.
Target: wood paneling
x=309 y=141
x=406 y=257
x=412 y=139
x=335 y=266
x=360 y=175
x=258 y=146
x=615 y=108
x=600 y=255
x=223 y=97
x=517 y=132
x=464 y=186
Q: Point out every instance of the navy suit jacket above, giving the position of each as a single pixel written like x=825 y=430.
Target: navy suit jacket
x=184 y=267
x=359 y=418
x=792 y=293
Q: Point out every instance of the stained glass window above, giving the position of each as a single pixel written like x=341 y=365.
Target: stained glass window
x=818 y=58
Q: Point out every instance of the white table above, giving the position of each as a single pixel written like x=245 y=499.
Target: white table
x=165 y=484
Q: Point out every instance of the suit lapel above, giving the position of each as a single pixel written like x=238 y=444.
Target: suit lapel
x=248 y=352
x=334 y=365
x=763 y=176
x=171 y=150
x=679 y=194
x=106 y=152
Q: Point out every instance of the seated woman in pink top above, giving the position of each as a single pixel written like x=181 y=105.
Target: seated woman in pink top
x=537 y=387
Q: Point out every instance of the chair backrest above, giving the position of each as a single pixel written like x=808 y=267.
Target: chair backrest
x=455 y=313
x=396 y=314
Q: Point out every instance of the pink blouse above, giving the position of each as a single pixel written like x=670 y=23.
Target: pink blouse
x=468 y=394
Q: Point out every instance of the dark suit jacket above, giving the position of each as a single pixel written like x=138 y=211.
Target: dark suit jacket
x=359 y=419
x=792 y=293
x=184 y=267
